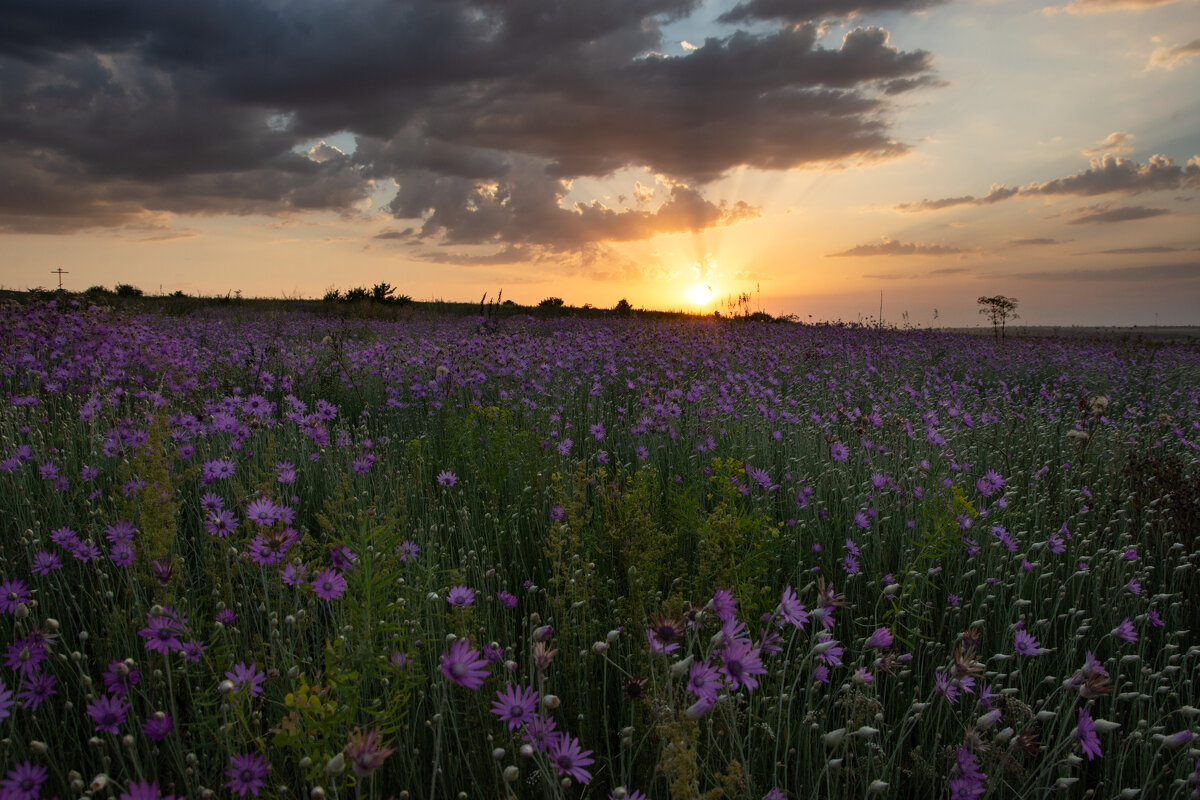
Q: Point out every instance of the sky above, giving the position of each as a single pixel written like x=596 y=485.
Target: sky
x=827 y=157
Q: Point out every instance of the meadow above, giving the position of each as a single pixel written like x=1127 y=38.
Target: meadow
x=298 y=556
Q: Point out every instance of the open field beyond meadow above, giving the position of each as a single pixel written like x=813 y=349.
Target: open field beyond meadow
x=254 y=554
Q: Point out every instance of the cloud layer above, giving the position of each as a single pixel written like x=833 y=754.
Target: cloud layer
x=482 y=112
x=1108 y=174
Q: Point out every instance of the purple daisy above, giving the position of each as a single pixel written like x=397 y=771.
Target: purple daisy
x=839 y=451
x=246 y=772
x=262 y=512
x=120 y=677
x=1125 y=631
x=24 y=781
x=144 y=790
x=742 y=663
x=44 y=563
x=460 y=596
x=329 y=584
x=463 y=665
x=967 y=782
x=790 y=608
x=881 y=639
x=515 y=706
x=723 y=605
x=1025 y=644
x=407 y=551
x=37 y=689
x=704 y=680
x=447 y=478
x=1085 y=732
x=108 y=712
x=247 y=678
x=13 y=592
x=508 y=600
x=157 y=726
x=570 y=759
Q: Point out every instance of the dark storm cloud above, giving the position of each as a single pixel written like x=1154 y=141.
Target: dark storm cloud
x=796 y=11
x=1109 y=174
x=891 y=247
x=482 y=111
x=1101 y=215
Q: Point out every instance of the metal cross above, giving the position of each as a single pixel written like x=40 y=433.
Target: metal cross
x=60 y=271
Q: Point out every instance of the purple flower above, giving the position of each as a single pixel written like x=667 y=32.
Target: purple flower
x=1085 y=732
x=13 y=592
x=216 y=470
x=108 y=712
x=246 y=772
x=362 y=464
x=723 y=605
x=569 y=759
x=120 y=677
x=37 y=689
x=6 y=701
x=881 y=639
x=329 y=584
x=343 y=558
x=1025 y=644
x=460 y=596
x=509 y=601
x=557 y=513
x=262 y=512
x=157 y=727
x=25 y=655
x=220 y=523
x=293 y=574
x=144 y=790
x=839 y=451
x=247 y=678
x=791 y=610
x=1125 y=631
x=45 y=562
x=447 y=478
x=540 y=732
x=515 y=706
x=742 y=663
x=463 y=666
x=161 y=634
x=704 y=680
x=24 y=782
x=407 y=551
x=701 y=707
x=967 y=782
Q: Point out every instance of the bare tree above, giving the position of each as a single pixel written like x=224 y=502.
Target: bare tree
x=999 y=310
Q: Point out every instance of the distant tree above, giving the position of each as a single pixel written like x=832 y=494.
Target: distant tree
x=97 y=291
x=623 y=308
x=999 y=310
x=551 y=302
x=128 y=290
x=382 y=292
x=178 y=293
x=332 y=295
x=508 y=303
x=356 y=294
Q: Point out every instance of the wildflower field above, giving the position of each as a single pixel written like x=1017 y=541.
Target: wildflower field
x=301 y=557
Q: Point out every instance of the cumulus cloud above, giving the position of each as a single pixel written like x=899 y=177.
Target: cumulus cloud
x=1169 y=58
x=1115 y=142
x=1099 y=215
x=481 y=112
x=1108 y=174
x=792 y=11
x=893 y=247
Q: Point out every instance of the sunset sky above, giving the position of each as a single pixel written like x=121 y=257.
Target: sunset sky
x=814 y=153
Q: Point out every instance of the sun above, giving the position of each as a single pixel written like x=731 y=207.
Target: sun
x=700 y=294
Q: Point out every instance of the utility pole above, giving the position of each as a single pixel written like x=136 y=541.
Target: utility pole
x=60 y=271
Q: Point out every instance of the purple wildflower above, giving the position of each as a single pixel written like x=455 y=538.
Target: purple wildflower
x=407 y=551
x=24 y=781
x=460 y=596
x=741 y=664
x=157 y=727
x=881 y=639
x=108 y=712
x=144 y=790
x=45 y=562
x=839 y=451
x=447 y=478
x=13 y=592
x=1085 y=732
x=704 y=680
x=790 y=608
x=570 y=759
x=246 y=772
x=723 y=605
x=329 y=584
x=967 y=782
x=247 y=678
x=1025 y=644
x=515 y=706
x=1125 y=631
x=37 y=689
x=120 y=677
x=463 y=665
x=508 y=600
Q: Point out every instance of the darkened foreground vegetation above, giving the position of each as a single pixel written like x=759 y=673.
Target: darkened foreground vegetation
x=308 y=554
